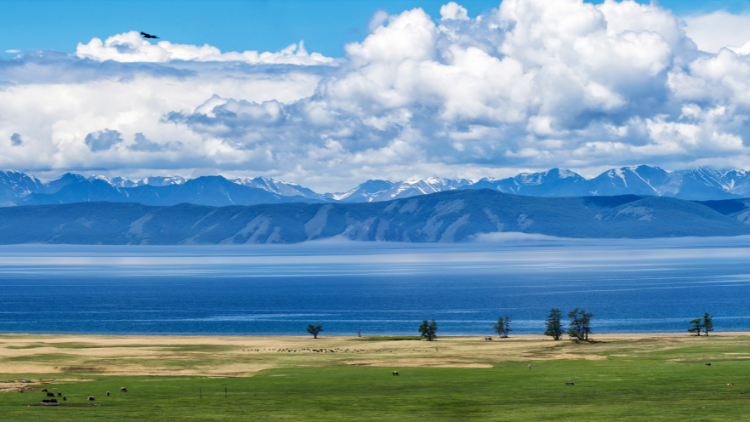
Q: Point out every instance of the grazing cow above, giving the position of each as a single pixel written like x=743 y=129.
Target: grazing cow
x=53 y=401
x=568 y=383
x=123 y=389
x=65 y=398
x=395 y=373
x=44 y=391
x=107 y=393
x=708 y=364
x=50 y=394
x=59 y=394
x=91 y=398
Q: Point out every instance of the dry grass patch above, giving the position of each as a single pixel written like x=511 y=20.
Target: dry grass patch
x=245 y=355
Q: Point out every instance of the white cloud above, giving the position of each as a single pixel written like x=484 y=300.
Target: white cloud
x=453 y=11
x=378 y=19
x=529 y=85
x=714 y=31
x=130 y=47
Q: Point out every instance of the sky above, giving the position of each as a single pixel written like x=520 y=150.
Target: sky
x=329 y=94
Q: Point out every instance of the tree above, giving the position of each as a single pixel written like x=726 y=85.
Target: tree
x=314 y=330
x=507 y=326
x=428 y=330
x=708 y=323
x=697 y=326
x=553 y=324
x=580 y=326
x=586 y=316
x=502 y=328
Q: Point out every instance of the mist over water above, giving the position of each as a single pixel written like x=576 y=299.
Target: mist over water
x=380 y=288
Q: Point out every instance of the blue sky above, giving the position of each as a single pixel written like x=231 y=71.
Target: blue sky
x=233 y=25
x=387 y=89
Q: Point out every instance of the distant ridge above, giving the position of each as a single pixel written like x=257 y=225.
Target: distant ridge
x=448 y=217
x=700 y=184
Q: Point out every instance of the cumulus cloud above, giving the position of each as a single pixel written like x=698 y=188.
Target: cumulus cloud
x=453 y=11
x=15 y=140
x=103 y=140
x=530 y=85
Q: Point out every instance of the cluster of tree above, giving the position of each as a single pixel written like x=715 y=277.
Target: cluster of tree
x=502 y=328
x=579 y=327
x=704 y=324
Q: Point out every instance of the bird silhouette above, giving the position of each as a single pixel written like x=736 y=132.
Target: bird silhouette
x=145 y=35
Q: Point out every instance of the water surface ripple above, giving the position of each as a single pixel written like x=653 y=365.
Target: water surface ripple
x=630 y=285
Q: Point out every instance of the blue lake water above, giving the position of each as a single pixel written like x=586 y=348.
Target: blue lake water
x=631 y=286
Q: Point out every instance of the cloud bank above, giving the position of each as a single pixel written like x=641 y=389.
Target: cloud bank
x=130 y=47
x=532 y=84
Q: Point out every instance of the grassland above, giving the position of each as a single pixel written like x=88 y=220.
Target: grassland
x=623 y=377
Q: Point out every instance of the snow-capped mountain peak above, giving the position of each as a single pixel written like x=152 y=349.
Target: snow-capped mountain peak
x=278 y=187
x=700 y=183
x=384 y=190
x=161 y=181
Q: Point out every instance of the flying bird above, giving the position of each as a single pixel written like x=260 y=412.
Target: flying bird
x=145 y=35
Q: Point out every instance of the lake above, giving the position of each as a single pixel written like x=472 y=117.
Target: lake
x=378 y=288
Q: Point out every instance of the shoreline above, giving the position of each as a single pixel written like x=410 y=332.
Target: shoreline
x=384 y=336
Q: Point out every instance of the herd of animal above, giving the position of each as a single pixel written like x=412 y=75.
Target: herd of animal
x=336 y=350
x=53 y=400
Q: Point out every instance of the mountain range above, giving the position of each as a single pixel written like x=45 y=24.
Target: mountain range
x=17 y=188
x=453 y=216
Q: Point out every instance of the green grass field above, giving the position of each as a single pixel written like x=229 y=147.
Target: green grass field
x=630 y=379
